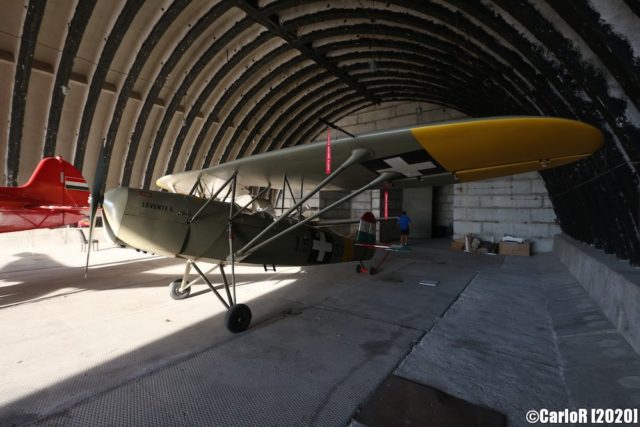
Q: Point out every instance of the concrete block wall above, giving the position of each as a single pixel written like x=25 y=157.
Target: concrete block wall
x=518 y=205
x=313 y=203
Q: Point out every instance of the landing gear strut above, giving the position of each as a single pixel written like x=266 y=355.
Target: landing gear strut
x=238 y=316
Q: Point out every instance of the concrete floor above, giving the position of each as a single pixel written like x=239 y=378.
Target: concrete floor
x=511 y=334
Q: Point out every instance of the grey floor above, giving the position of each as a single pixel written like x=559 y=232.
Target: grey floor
x=511 y=334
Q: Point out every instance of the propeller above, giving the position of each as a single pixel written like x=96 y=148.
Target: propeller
x=96 y=197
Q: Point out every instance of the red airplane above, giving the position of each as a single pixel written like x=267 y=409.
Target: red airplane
x=55 y=195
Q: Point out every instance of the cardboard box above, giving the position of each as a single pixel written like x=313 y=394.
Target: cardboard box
x=457 y=245
x=512 y=248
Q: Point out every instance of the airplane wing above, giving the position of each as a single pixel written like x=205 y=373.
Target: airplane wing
x=435 y=154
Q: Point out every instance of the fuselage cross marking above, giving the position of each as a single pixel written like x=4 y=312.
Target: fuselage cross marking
x=322 y=246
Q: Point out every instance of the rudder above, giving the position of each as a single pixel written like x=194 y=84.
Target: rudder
x=367 y=229
x=58 y=182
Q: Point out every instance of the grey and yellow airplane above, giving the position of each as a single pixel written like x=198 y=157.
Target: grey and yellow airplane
x=199 y=217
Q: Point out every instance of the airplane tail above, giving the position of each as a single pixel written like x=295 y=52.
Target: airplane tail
x=367 y=229
x=57 y=182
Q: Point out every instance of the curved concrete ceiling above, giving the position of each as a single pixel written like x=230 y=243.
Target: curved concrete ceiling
x=175 y=85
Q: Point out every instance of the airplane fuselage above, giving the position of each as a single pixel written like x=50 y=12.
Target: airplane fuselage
x=164 y=223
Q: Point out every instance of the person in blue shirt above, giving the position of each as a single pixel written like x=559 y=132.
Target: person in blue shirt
x=404 y=223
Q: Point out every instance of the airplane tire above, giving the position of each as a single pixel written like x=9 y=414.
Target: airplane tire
x=174 y=290
x=237 y=318
x=372 y=271
x=358 y=268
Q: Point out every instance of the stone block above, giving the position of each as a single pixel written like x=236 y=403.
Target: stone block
x=459 y=214
x=466 y=227
x=360 y=205
x=521 y=187
x=348 y=121
x=511 y=201
x=543 y=215
x=531 y=231
x=543 y=245
x=527 y=176
x=496 y=229
x=537 y=186
x=406 y=109
x=376 y=115
x=554 y=229
x=466 y=201
x=488 y=191
x=511 y=215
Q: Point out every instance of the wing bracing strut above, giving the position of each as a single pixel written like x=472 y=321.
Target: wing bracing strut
x=356 y=156
x=243 y=253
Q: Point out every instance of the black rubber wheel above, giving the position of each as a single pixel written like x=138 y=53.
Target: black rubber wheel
x=174 y=290
x=358 y=268
x=237 y=318
x=372 y=271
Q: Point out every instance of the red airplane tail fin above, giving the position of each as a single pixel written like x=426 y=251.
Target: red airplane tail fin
x=57 y=182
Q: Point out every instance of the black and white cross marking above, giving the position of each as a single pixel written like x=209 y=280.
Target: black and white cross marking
x=412 y=164
x=321 y=247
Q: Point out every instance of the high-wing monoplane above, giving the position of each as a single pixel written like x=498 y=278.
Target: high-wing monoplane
x=200 y=217
x=55 y=195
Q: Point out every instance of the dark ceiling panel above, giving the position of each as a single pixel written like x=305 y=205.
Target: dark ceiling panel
x=65 y=67
x=141 y=58
x=185 y=43
x=126 y=16
x=30 y=30
x=196 y=107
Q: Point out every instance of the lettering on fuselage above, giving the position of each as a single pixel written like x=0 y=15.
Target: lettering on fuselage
x=157 y=206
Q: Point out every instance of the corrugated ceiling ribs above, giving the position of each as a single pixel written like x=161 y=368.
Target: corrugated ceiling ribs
x=175 y=85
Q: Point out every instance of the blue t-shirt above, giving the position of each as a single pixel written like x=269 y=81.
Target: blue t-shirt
x=403 y=222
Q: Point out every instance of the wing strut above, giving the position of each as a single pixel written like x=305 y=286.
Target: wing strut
x=230 y=223
x=356 y=155
x=196 y=186
x=386 y=176
x=213 y=196
x=260 y=194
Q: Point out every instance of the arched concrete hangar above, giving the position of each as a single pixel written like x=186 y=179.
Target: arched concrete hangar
x=172 y=86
